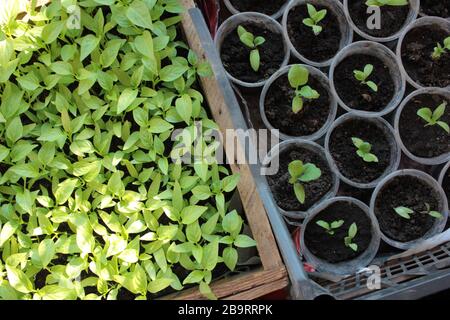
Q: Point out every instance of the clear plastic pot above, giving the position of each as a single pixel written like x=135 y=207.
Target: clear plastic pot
x=412 y=15
x=332 y=5
x=389 y=59
x=439 y=224
x=443 y=173
x=425 y=21
x=427 y=161
x=319 y=76
x=314 y=147
x=390 y=136
x=233 y=10
x=346 y=267
x=231 y=24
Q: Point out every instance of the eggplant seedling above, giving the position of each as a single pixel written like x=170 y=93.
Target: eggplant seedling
x=433 y=117
x=298 y=78
x=330 y=227
x=314 y=18
x=302 y=172
x=364 y=149
x=381 y=3
x=253 y=43
x=406 y=212
x=439 y=50
x=348 y=240
x=363 y=75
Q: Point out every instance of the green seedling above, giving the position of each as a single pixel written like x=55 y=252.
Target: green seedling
x=330 y=227
x=298 y=79
x=300 y=173
x=253 y=43
x=352 y=231
x=381 y=3
x=439 y=50
x=406 y=212
x=362 y=76
x=364 y=149
x=433 y=117
x=314 y=18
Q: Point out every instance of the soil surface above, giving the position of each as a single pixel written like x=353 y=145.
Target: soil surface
x=332 y=248
x=283 y=191
x=392 y=18
x=446 y=184
x=440 y=8
x=421 y=140
x=344 y=154
x=417 y=48
x=410 y=192
x=318 y=48
x=236 y=56
x=310 y=119
x=357 y=95
x=268 y=7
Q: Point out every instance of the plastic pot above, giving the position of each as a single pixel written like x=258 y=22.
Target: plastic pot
x=412 y=15
x=389 y=59
x=276 y=15
x=425 y=21
x=314 y=147
x=318 y=75
x=331 y=5
x=439 y=224
x=346 y=267
x=427 y=161
x=390 y=135
x=231 y=24
x=443 y=173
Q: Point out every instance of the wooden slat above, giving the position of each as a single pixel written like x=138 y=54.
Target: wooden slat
x=252 y=203
x=250 y=285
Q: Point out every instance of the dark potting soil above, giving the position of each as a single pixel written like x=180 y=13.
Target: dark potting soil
x=318 y=48
x=421 y=140
x=417 y=48
x=332 y=248
x=236 y=56
x=392 y=18
x=344 y=154
x=278 y=108
x=283 y=191
x=357 y=95
x=268 y=7
x=440 y=8
x=410 y=192
x=446 y=184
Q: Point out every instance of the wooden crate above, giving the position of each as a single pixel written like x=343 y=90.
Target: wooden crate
x=272 y=275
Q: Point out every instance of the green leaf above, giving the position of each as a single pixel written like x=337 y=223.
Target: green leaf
x=9 y=228
x=232 y=222
x=310 y=173
x=183 y=106
x=202 y=192
x=323 y=224
x=255 y=60
x=298 y=76
x=244 y=241
x=206 y=291
x=404 y=212
x=436 y=214
x=158 y=125
x=230 y=183
x=297 y=104
x=299 y=191
x=52 y=30
x=14 y=130
x=426 y=114
x=295 y=169
x=65 y=190
x=126 y=99
x=115 y=184
x=109 y=55
x=172 y=72
x=337 y=224
x=372 y=86
x=352 y=230
x=210 y=255
x=88 y=44
x=139 y=14
x=230 y=257
x=158 y=285
x=46 y=251
x=194 y=277
x=191 y=214
x=18 y=280
x=27 y=170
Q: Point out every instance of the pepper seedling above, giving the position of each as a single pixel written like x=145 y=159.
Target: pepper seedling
x=314 y=18
x=364 y=149
x=253 y=43
x=433 y=117
x=298 y=78
x=363 y=75
x=330 y=227
x=381 y=3
x=352 y=231
x=301 y=173
x=439 y=50
x=406 y=212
